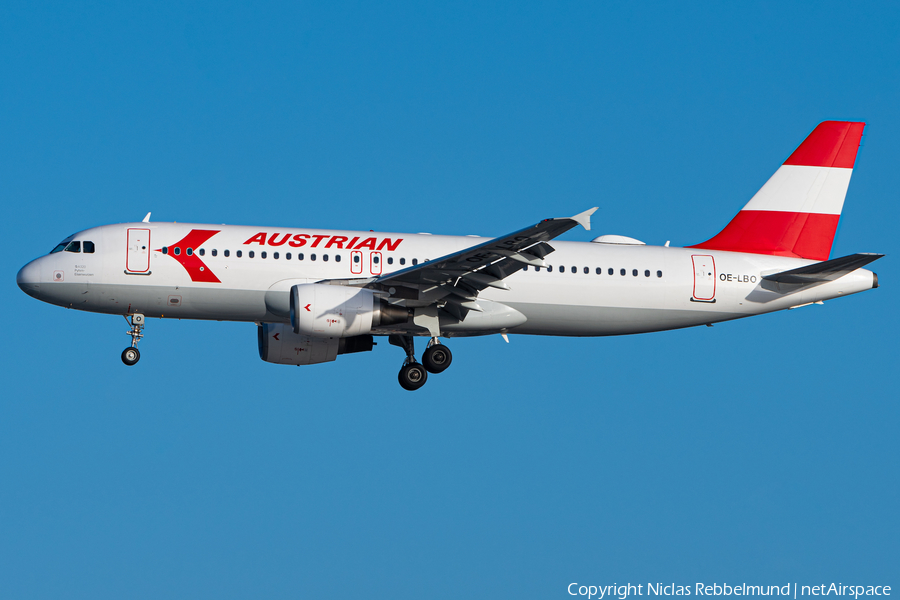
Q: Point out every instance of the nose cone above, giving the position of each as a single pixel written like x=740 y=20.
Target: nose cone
x=29 y=278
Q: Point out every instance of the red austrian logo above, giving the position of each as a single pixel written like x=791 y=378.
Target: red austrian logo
x=340 y=242
x=184 y=252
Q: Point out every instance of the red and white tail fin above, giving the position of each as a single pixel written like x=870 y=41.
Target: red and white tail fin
x=796 y=212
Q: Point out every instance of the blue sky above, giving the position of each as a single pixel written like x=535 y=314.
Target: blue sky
x=760 y=451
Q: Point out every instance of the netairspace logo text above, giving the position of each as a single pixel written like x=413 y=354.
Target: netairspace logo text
x=791 y=590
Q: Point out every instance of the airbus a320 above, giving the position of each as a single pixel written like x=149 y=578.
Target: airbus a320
x=316 y=294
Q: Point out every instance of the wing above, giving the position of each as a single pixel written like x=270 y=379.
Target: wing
x=451 y=284
x=460 y=276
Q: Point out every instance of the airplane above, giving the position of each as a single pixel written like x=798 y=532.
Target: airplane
x=316 y=294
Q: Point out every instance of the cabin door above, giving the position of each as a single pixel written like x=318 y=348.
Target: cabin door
x=704 y=278
x=137 y=259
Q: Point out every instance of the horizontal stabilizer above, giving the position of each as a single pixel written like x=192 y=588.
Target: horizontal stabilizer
x=828 y=270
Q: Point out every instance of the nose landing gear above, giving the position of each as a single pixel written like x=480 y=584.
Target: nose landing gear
x=131 y=355
x=435 y=359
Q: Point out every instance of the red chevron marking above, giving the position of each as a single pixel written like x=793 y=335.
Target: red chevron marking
x=195 y=267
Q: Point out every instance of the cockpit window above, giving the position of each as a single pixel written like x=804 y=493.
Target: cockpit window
x=73 y=247
x=87 y=247
x=62 y=245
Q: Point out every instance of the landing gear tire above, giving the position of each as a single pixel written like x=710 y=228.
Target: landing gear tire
x=437 y=358
x=130 y=356
x=412 y=376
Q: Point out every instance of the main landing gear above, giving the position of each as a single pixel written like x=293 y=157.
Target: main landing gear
x=131 y=355
x=435 y=359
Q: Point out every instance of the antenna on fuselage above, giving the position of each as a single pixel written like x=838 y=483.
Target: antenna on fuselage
x=146 y=219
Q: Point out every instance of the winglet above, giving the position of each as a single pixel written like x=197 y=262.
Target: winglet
x=584 y=219
x=146 y=219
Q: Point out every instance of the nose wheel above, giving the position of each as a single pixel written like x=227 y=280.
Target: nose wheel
x=131 y=355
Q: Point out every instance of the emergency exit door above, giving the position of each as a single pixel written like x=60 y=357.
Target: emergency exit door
x=138 y=258
x=704 y=278
x=356 y=265
x=375 y=263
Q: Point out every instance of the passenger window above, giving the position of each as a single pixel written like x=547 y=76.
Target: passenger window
x=659 y=273
x=177 y=250
x=251 y=254
x=337 y=258
x=300 y=256
x=88 y=248
x=215 y=252
x=356 y=258
x=287 y=256
x=375 y=259
x=599 y=271
x=574 y=269
x=227 y=253
x=647 y=273
x=526 y=268
x=189 y=251
x=562 y=269
x=586 y=270
x=275 y=255
x=73 y=247
x=415 y=261
x=622 y=272
x=325 y=257
x=390 y=260
x=611 y=271
x=239 y=253
x=634 y=272
x=402 y=261
x=312 y=257
x=262 y=254
x=201 y=252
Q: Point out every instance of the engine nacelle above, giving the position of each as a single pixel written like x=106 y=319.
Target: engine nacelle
x=279 y=344
x=340 y=311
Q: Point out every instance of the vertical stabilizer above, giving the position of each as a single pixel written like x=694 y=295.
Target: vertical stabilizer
x=796 y=212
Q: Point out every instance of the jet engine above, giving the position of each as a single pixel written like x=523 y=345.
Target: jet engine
x=340 y=311
x=279 y=344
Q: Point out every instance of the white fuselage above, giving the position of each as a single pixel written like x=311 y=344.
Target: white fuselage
x=590 y=289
